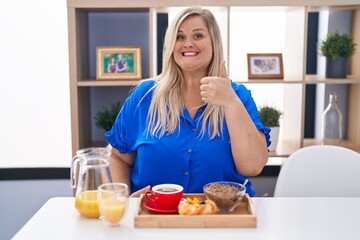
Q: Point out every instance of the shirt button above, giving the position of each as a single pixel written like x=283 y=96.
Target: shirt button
x=194 y=129
x=187 y=173
x=189 y=150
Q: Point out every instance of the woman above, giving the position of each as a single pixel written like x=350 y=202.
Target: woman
x=191 y=125
x=112 y=66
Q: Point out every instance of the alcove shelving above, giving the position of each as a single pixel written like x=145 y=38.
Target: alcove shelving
x=94 y=23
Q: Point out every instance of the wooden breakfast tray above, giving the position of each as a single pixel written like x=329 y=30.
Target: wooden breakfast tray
x=243 y=216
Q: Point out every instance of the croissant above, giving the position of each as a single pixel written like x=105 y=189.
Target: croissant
x=196 y=207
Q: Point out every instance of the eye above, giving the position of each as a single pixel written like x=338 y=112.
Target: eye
x=198 y=36
x=180 y=37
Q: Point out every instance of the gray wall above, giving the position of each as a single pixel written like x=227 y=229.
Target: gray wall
x=339 y=21
x=264 y=185
x=21 y=199
x=104 y=97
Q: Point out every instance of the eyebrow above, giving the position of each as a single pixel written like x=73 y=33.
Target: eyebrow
x=196 y=29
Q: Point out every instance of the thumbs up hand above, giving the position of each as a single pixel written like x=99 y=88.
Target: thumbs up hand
x=217 y=90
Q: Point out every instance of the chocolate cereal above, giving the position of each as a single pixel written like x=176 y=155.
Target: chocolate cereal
x=225 y=196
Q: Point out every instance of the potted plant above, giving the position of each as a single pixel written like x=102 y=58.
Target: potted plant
x=337 y=49
x=105 y=118
x=270 y=118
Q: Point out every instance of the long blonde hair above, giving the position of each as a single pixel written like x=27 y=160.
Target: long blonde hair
x=166 y=104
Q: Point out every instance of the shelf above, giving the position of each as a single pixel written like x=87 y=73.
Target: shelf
x=276 y=161
x=269 y=81
x=285 y=148
x=310 y=79
x=343 y=143
x=332 y=8
x=91 y=24
x=106 y=83
x=160 y=3
x=316 y=79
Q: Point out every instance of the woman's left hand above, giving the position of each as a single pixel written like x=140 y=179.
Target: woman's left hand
x=217 y=90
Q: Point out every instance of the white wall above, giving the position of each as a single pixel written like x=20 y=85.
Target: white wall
x=34 y=84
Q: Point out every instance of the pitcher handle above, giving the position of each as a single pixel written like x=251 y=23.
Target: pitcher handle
x=73 y=170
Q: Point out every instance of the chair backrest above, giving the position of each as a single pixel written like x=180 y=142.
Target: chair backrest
x=320 y=171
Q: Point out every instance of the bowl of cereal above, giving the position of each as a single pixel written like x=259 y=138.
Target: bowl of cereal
x=226 y=195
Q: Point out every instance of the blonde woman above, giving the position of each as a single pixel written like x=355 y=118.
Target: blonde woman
x=191 y=125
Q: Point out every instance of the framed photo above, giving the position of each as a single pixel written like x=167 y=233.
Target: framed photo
x=265 y=65
x=118 y=62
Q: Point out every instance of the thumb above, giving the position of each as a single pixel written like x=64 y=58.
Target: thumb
x=223 y=72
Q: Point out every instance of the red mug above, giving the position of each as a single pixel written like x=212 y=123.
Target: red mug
x=165 y=196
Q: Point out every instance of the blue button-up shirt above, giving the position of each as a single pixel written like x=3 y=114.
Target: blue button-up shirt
x=184 y=157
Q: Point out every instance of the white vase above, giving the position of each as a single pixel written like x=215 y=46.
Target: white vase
x=274 y=137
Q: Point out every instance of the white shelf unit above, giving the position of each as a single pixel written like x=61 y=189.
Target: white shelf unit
x=83 y=84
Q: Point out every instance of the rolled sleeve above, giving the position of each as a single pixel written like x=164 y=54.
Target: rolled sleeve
x=130 y=120
x=245 y=96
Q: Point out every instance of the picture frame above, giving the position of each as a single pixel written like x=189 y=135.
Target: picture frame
x=118 y=62
x=265 y=66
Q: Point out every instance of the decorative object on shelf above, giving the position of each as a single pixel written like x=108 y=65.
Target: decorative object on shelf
x=115 y=63
x=105 y=118
x=337 y=49
x=265 y=66
x=270 y=118
x=332 y=122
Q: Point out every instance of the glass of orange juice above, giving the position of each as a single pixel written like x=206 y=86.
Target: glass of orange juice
x=87 y=204
x=113 y=202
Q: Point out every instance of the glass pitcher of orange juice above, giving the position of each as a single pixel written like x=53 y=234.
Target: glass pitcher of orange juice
x=89 y=169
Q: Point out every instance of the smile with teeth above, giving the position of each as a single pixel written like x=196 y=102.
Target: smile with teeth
x=190 y=54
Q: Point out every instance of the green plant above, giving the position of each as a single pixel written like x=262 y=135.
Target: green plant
x=269 y=116
x=105 y=118
x=337 y=46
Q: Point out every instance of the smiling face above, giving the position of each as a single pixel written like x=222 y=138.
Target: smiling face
x=193 y=47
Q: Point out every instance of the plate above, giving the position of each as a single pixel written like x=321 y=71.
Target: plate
x=153 y=207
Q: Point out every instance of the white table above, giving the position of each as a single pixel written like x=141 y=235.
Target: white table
x=277 y=218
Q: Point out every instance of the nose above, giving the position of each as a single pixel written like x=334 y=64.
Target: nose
x=188 y=43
